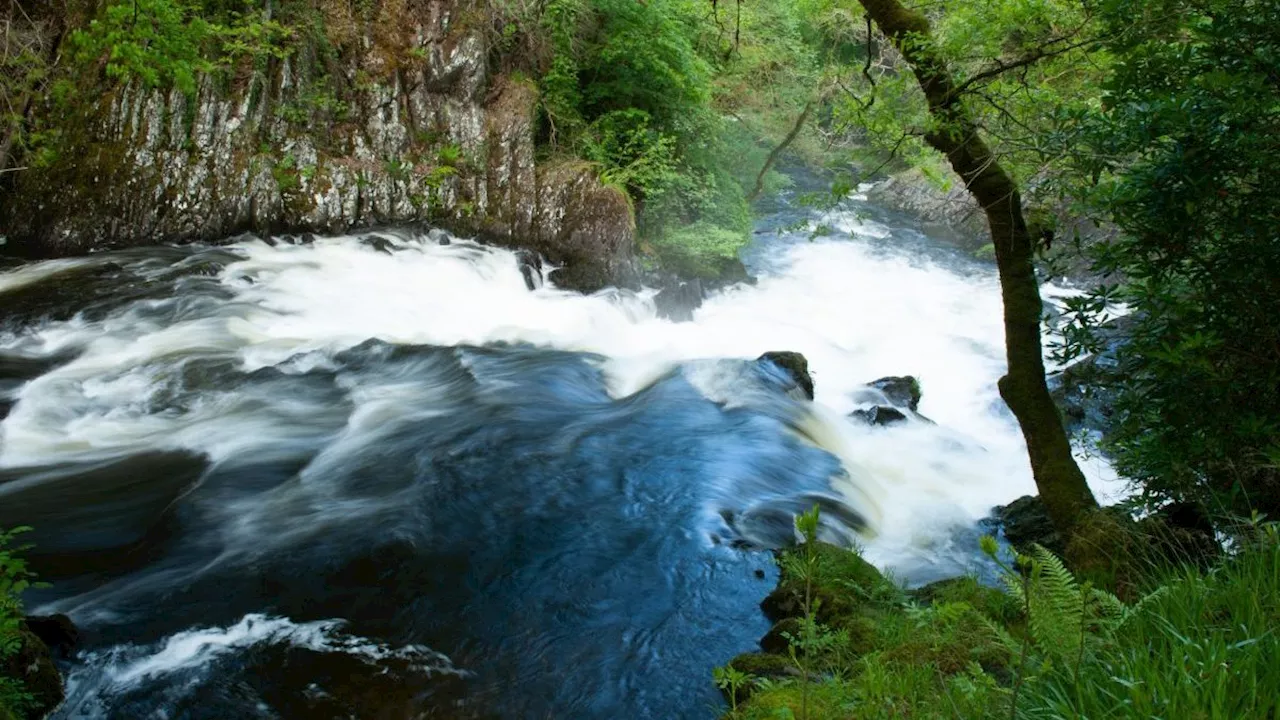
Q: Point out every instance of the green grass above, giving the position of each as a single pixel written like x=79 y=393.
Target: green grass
x=1200 y=644
x=1203 y=645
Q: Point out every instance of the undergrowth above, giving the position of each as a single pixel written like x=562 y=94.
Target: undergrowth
x=1194 y=644
x=15 y=578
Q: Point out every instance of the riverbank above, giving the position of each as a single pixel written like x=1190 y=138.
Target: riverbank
x=849 y=642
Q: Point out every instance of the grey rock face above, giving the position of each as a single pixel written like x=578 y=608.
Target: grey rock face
x=428 y=135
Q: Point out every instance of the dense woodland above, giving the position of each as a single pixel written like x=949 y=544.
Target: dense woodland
x=1140 y=135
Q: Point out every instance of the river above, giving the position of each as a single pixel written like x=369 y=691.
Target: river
x=386 y=480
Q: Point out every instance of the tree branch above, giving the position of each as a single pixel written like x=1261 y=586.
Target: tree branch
x=1002 y=67
x=773 y=156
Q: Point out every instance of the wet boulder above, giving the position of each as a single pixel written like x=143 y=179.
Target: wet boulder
x=57 y=632
x=678 y=300
x=378 y=243
x=1026 y=521
x=530 y=264
x=879 y=415
x=889 y=401
x=902 y=391
x=794 y=365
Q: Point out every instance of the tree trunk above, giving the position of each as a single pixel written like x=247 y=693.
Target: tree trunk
x=1062 y=486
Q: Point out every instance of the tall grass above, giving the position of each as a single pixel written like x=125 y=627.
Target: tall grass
x=1203 y=645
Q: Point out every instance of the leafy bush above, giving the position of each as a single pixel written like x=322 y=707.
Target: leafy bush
x=14 y=579
x=1184 y=160
x=174 y=42
x=629 y=87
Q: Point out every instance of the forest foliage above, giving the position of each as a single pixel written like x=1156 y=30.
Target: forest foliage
x=1143 y=134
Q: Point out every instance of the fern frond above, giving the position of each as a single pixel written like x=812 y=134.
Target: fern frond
x=1108 y=606
x=999 y=632
x=1135 y=609
x=1057 y=605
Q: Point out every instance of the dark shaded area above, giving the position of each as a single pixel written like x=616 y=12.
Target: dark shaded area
x=57 y=632
x=105 y=516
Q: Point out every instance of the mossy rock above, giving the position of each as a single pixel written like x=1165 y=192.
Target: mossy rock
x=1109 y=550
x=793 y=364
x=764 y=665
x=33 y=666
x=777 y=640
x=1025 y=522
x=841 y=585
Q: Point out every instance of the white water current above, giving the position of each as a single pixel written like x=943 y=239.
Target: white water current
x=859 y=305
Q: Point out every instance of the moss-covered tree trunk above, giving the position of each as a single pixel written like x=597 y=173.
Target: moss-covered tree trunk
x=1061 y=484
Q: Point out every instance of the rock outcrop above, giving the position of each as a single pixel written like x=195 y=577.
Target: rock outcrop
x=405 y=122
x=950 y=213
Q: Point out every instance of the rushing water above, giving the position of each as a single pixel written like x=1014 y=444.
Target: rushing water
x=333 y=480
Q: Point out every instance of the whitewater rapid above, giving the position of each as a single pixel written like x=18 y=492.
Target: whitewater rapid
x=308 y=399
x=858 y=307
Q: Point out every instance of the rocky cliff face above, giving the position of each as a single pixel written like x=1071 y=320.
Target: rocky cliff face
x=389 y=120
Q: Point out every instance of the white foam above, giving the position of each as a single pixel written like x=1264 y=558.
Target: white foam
x=857 y=309
x=125 y=667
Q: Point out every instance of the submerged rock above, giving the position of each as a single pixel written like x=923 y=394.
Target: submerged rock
x=122 y=513
x=378 y=243
x=794 y=365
